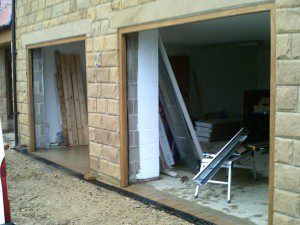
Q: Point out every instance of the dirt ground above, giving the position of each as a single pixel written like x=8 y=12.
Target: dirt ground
x=40 y=194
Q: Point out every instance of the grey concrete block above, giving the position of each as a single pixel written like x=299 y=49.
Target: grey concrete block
x=132 y=122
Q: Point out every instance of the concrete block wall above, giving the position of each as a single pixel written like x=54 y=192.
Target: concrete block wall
x=3 y=103
x=39 y=98
x=132 y=105
x=287 y=124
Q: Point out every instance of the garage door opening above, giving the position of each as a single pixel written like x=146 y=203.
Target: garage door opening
x=60 y=109
x=222 y=71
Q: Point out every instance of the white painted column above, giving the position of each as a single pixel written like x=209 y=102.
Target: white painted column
x=147 y=93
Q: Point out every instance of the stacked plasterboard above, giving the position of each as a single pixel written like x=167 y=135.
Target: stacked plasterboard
x=216 y=129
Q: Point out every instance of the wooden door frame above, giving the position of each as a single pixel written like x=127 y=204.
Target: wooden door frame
x=29 y=49
x=267 y=7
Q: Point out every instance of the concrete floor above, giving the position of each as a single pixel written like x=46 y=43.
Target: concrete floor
x=249 y=203
x=74 y=158
x=249 y=197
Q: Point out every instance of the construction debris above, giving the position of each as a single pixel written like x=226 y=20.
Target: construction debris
x=176 y=113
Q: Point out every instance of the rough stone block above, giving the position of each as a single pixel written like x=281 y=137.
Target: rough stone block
x=287 y=202
x=109 y=59
x=102 y=74
x=92 y=133
x=110 y=42
x=286 y=97
x=89 y=44
x=98 y=43
x=288 y=20
x=107 y=137
x=288 y=72
x=96 y=149
x=110 y=91
x=102 y=11
x=92 y=105
x=287 y=124
x=94 y=90
x=111 y=154
x=281 y=219
x=109 y=168
x=101 y=105
x=296 y=153
x=288 y=46
x=287 y=3
x=283 y=150
x=287 y=177
x=94 y=163
x=110 y=122
x=94 y=120
x=82 y=4
x=113 y=107
x=114 y=75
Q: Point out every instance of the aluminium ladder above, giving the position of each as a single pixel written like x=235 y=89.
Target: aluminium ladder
x=211 y=166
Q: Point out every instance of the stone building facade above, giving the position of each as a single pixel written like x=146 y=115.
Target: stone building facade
x=287 y=120
x=40 y=21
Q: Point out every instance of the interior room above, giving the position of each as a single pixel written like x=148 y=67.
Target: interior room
x=60 y=109
x=221 y=70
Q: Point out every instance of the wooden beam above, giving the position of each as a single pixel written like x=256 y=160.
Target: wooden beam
x=272 y=113
x=60 y=90
x=57 y=42
x=30 y=101
x=82 y=102
x=67 y=87
x=76 y=100
x=123 y=111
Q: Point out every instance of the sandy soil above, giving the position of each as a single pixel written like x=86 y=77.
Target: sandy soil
x=42 y=195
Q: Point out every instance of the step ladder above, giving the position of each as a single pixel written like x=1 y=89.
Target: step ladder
x=212 y=163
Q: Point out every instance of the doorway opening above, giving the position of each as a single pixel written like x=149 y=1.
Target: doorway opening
x=60 y=104
x=222 y=72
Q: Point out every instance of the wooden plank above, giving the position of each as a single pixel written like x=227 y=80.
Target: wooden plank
x=71 y=101
x=82 y=101
x=60 y=90
x=65 y=68
x=57 y=42
x=272 y=113
x=123 y=111
x=76 y=94
x=31 y=101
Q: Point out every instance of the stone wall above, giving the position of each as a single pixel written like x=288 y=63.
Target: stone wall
x=3 y=103
x=103 y=84
x=287 y=125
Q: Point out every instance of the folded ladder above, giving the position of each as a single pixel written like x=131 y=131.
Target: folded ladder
x=211 y=163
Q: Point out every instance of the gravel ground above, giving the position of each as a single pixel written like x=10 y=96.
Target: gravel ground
x=40 y=194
